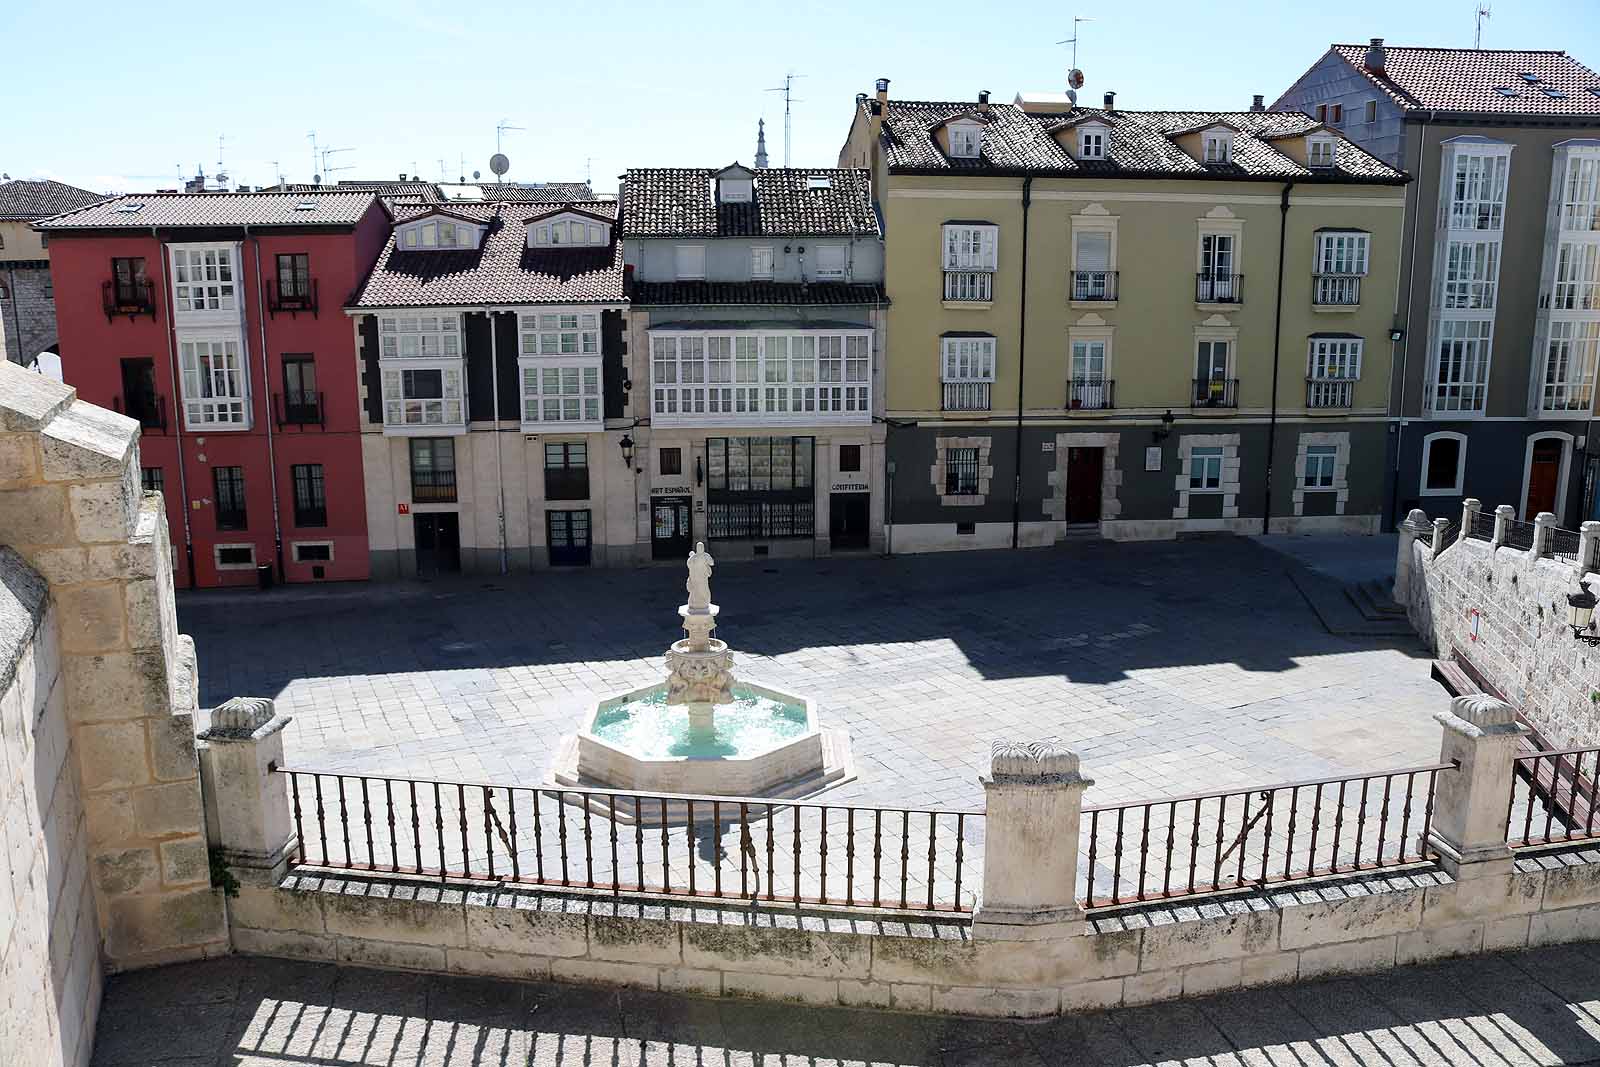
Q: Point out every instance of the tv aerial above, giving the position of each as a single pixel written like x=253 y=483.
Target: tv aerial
x=1075 y=75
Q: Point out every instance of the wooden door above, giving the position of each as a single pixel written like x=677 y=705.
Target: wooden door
x=1084 y=470
x=1544 y=477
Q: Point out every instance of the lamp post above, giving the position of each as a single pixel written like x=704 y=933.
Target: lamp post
x=1580 y=615
x=626 y=444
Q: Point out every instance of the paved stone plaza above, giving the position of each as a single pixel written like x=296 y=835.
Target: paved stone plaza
x=1540 y=1007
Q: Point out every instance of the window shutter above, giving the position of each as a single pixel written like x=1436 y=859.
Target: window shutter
x=1094 y=252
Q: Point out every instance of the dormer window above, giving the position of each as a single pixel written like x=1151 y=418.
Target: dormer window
x=1319 y=151
x=1218 y=146
x=435 y=232
x=568 y=230
x=966 y=140
x=1092 y=142
x=735 y=184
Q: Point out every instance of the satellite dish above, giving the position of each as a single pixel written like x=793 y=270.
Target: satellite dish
x=476 y=174
x=1075 y=78
x=1072 y=97
x=499 y=163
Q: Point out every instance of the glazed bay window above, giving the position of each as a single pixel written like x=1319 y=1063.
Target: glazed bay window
x=970 y=258
x=1577 y=280
x=203 y=278
x=1332 y=370
x=559 y=334
x=967 y=372
x=1341 y=263
x=1477 y=188
x=1571 y=353
x=424 y=379
x=1580 y=193
x=759 y=488
x=216 y=393
x=558 y=357
x=1459 y=381
x=1471 y=274
x=725 y=377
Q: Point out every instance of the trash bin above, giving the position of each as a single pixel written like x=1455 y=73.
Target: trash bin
x=264 y=575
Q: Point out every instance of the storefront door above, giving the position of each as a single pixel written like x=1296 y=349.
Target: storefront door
x=567 y=534
x=671 y=530
x=847 y=520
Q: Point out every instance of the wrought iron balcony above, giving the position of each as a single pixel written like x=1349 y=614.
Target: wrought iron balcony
x=1330 y=392
x=969 y=285
x=1091 y=394
x=433 y=486
x=1213 y=288
x=150 y=410
x=292 y=301
x=1094 y=284
x=127 y=298
x=966 y=396
x=301 y=409
x=1336 y=290
x=1215 y=393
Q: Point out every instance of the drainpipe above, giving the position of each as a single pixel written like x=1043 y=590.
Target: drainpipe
x=1411 y=280
x=1022 y=365
x=266 y=397
x=1277 y=342
x=499 y=468
x=16 y=317
x=177 y=404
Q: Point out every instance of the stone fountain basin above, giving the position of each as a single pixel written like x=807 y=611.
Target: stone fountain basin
x=768 y=771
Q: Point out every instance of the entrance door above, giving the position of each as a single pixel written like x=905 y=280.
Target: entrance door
x=1084 y=470
x=847 y=519
x=568 y=537
x=1544 y=477
x=438 y=537
x=671 y=535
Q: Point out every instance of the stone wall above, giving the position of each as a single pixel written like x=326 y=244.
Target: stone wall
x=49 y=940
x=1506 y=610
x=71 y=506
x=28 y=313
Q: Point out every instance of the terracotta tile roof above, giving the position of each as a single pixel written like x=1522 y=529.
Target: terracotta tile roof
x=1140 y=145
x=669 y=294
x=140 y=211
x=36 y=200
x=1465 y=79
x=503 y=271
x=681 y=202
x=412 y=191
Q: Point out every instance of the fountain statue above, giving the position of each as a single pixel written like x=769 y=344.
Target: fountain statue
x=701 y=731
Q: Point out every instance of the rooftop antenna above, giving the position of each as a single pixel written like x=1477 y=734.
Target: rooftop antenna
x=442 y=176
x=222 y=174
x=315 y=179
x=1477 y=33
x=279 y=171
x=787 y=89
x=499 y=132
x=588 y=170
x=1075 y=76
x=326 y=169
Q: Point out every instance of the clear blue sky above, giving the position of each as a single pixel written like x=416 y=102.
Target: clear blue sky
x=105 y=95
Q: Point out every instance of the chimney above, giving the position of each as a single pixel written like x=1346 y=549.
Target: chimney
x=1258 y=103
x=402 y=175
x=983 y=100
x=1110 y=101
x=1376 y=56
x=883 y=98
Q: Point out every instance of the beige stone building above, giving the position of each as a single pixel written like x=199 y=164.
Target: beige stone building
x=27 y=297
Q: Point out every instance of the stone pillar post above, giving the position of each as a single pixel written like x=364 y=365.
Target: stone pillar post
x=254 y=826
x=1543 y=523
x=1469 y=511
x=1588 y=547
x=1439 y=527
x=1033 y=797
x=1481 y=735
x=1503 y=515
x=1414 y=526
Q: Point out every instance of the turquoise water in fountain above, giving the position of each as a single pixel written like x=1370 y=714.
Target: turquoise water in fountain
x=653 y=729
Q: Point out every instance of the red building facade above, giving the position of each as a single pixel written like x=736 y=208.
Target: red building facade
x=216 y=320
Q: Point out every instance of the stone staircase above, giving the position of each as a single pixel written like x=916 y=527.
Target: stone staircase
x=1354 y=609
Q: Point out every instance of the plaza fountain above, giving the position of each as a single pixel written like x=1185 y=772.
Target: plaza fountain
x=701 y=731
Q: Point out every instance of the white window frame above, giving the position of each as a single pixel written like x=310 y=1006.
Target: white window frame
x=1092 y=141
x=970 y=246
x=1216 y=146
x=561 y=394
x=762 y=262
x=296 y=546
x=569 y=231
x=966 y=359
x=832 y=261
x=966 y=139
x=689 y=262
x=1342 y=251
x=1461 y=464
x=1087 y=288
x=205 y=406
x=778 y=377
x=433 y=233
x=428 y=340
x=1574 y=345
x=1580 y=191
x=1473 y=192
x=206 y=275
x=1469 y=280
x=1321 y=475
x=1210 y=474
x=1458 y=393
x=1333 y=366
x=216 y=556
x=420 y=335
x=558 y=332
x=1575 y=285
x=1320 y=152
x=736 y=190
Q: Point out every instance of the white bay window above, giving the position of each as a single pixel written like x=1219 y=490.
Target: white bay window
x=1571 y=352
x=970 y=258
x=966 y=369
x=1460 y=366
x=558 y=358
x=1332 y=369
x=1341 y=263
x=420 y=336
x=203 y=278
x=729 y=378
x=424 y=375
x=216 y=389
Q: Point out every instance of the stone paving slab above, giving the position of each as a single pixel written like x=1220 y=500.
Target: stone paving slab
x=1537 y=1007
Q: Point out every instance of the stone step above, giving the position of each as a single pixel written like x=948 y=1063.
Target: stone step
x=1336 y=608
x=1372 y=600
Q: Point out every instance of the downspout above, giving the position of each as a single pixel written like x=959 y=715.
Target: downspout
x=1277 y=343
x=16 y=317
x=266 y=397
x=1411 y=290
x=1022 y=366
x=177 y=405
x=499 y=468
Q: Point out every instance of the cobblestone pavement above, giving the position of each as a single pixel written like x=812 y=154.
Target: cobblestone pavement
x=1171 y=668
x=1539 y=1007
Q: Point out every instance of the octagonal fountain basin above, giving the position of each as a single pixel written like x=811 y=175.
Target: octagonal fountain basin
x=764 y=742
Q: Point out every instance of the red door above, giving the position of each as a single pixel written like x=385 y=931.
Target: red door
x=1544 y=476
x=1084 y=467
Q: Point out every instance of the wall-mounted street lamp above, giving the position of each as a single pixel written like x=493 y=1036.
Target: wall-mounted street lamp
x=1580 y=615
x=1166 y=427
x=626 y=444
x=1396 y=334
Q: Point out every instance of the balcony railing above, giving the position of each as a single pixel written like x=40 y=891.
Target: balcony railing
x=433 y=486
x=1210 y=288
x=1337 y=290
x=973 y=285
x=966 y=396
x=1091 y=394
x=127 y=298
x=1330 y=392
x=149 y=411
x=1094 y=285
x=566 y=483
x=1215 y=393
x=301 y=409
x=293 y=301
